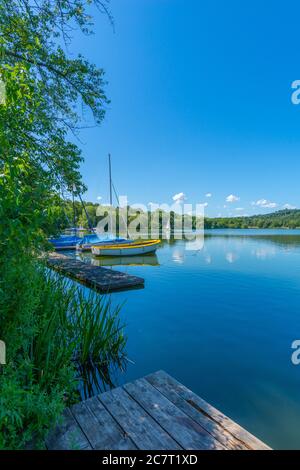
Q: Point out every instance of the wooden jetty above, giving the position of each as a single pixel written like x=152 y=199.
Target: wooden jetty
x=152 y=413
x=103 y=280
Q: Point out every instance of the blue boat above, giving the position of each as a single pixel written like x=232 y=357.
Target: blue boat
x=65 y=242
x=88 y=241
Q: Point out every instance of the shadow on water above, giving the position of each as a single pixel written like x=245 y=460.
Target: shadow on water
x=98 y=378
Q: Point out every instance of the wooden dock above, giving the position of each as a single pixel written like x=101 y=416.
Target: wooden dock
x=103 y=280
x=152 y=413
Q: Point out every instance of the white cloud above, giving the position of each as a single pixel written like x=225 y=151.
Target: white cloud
x=232 y=198
x=289 y=206
x=239 y=209
x=178 y=198
x=265 y=203
x=208 y=195
x=99 y=198
x=204 y=204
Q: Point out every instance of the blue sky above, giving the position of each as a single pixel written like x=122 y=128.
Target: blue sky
x=200 y=103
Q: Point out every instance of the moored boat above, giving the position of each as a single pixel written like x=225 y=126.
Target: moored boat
x=126 y=249
x=64 y=242
x=86 y=243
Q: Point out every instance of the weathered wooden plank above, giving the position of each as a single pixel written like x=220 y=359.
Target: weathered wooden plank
x=201 y=405
x=157 y=413
x=217 y=431
x=181 y=427
x=136 y=422
x=101 y=279
x=99 y=426
x=68 y=435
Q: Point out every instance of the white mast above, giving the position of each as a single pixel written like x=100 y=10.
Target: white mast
x=110 y=182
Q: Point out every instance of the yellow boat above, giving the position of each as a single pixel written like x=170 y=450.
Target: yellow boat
x=130 y=249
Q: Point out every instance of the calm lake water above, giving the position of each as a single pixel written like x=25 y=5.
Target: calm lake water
x=221 y=320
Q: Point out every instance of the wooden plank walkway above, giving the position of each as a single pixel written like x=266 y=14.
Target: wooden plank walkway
x=103 y=280
x=152 y=413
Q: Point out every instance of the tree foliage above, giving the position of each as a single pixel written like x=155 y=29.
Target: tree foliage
x=279 y=219
x=46 y=89
x=47 y=95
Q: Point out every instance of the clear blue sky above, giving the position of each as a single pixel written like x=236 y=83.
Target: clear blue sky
x=200 y=103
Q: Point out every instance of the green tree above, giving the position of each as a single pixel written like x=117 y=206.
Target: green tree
x=46 y=89
x=45 y=92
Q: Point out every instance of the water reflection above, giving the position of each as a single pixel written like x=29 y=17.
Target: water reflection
x=264 y=253
x=241 y=241
x=99 y=378
x=145 y=260
x=259 y=244
x=288 y=238
x=141 y=260
x=231 y=257
x=178 y=256
x=208 y=259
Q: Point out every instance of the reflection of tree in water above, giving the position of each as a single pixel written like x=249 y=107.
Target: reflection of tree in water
x=283 y=240
x=288 y=240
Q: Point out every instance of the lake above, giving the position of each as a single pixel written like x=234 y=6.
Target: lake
x=221 y=320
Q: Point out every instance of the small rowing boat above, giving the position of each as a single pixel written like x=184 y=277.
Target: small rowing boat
x=130 y=249
x=64 y=242
x=88 y=241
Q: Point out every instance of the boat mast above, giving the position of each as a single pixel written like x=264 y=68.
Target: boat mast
x=110 y=191
x=110 y=182
x=86 y=213
x=74 y=210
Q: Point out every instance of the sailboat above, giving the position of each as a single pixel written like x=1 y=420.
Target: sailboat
x=123 y=247
x=64 y=242
x=86 y=243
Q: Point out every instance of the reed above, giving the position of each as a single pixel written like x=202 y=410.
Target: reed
x=58 y=337
x=98 y=333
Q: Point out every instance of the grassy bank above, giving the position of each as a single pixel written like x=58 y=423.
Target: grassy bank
x=53 y=334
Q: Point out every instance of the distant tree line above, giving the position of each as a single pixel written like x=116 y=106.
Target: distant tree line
x=65 y=215
x=280 y=219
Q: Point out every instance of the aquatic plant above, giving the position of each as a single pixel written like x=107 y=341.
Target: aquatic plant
x=55 y=336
